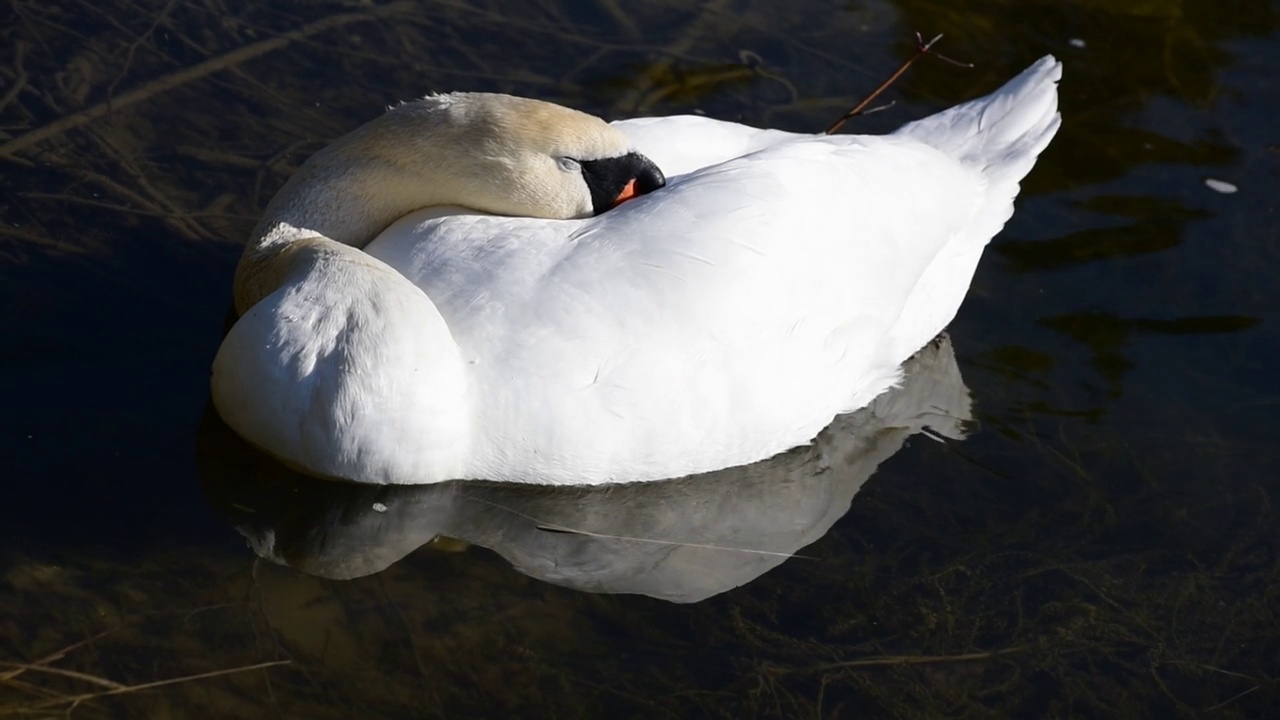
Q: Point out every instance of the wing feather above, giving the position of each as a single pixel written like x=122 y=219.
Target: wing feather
x=746 y=304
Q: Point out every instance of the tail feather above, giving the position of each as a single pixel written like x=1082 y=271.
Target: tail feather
x=999 y=135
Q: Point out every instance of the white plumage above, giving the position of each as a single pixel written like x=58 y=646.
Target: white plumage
x=777 y=281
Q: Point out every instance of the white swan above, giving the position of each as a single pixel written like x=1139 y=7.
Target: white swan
x=681 y=540
x=776 y=281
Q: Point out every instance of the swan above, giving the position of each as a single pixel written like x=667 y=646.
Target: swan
x=681 y=540
x=489 y=287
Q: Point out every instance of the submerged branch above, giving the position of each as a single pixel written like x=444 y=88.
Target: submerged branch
x=77 y=699
x=889 y=660
x=186 y=75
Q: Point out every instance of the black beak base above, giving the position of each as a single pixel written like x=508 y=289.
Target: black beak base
x=607 y=178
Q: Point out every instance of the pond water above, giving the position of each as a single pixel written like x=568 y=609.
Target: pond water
x=1104 y=542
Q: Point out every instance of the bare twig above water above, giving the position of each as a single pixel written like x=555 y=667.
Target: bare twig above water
x=922 y=48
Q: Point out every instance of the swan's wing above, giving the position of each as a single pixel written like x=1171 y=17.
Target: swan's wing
x=681 y=144
x=730 y=315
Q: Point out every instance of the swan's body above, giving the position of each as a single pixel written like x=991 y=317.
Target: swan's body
x=779 y=280
x=681 y=540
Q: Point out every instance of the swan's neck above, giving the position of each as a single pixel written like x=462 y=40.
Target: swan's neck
x=335 y=204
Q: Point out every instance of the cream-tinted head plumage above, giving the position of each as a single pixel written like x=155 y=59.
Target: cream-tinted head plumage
x=491 y=153
x=494 y=153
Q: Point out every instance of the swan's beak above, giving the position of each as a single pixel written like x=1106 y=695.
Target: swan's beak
x=613 y=181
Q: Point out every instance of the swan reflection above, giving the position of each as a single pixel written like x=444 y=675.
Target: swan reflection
x=680 y=540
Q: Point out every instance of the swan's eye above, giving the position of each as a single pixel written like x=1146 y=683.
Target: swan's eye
x=568 y=164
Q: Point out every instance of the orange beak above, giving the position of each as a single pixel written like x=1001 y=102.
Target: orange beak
x=628 y=192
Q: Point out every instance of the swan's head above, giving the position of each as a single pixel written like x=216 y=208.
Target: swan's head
x=490 y=153
x=508 y=155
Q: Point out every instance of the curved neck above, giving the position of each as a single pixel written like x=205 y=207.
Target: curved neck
x=489 y=153
x=334 y=205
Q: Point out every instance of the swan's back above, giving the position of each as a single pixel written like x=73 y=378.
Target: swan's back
x=998 y=136
x=733 y=314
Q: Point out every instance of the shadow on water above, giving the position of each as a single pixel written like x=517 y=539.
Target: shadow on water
x=1104 y=544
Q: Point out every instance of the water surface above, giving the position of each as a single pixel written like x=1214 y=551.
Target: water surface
x=1104 y=543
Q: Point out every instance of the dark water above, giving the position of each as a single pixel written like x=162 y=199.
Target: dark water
x=1103 y=544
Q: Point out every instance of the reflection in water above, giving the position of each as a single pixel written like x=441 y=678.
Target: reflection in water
x=1106 y=335
x=681 y=540
x=1155 y=224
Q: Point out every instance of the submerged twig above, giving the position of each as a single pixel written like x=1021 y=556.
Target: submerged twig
x=85 y=677
x=639 y=97
x=1232 y=699
x=186 y=75
x=77 y=699
x=887 y=660
x=20 y=75
x=133 y=47
x=9 y=677
x=922 y=48
x=50 y=658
